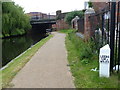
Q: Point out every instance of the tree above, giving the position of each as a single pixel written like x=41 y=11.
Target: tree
x=72 y=15
x=14 y=20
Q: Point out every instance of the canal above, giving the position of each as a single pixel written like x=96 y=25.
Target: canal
x=12 y=47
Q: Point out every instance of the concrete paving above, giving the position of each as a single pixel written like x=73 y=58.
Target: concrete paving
x=47 y=68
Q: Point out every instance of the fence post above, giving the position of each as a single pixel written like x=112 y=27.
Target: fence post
x=119 y=38
x=102 y=28
x=87 y=23
x=112 y=33
x=0 y=35
x=119 y=51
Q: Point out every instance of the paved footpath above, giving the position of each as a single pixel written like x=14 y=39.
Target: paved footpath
x=47 y=68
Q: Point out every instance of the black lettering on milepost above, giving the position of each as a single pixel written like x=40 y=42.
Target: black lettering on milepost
x=104 y=59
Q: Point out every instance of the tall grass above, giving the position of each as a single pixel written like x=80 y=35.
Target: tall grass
x=88 y=49
x=82 y=57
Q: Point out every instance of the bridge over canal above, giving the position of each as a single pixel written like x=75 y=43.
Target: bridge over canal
x=42 y=24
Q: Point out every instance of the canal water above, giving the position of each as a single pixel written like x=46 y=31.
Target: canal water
x=12 y=47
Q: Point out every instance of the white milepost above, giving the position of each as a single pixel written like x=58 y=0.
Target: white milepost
x=104 y=61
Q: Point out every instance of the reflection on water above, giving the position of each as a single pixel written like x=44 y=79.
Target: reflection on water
x=12 y=47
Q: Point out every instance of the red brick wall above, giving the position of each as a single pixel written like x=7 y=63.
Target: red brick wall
x=99 y=6
x=87 y=27
x=90 y=24
x=61 y=24
x=81 y=25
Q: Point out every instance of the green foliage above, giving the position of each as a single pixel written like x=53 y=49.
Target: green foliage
x=72 y=15
x=66 y=31
x=81 y=67
x=85 y=61
x=20 y=31
x=87 y=48
x=14 y=21
x=90 y=4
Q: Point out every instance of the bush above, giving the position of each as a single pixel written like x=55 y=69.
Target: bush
x=85 y=61
x=90 y=4
x=72 y=15
x=86 y=50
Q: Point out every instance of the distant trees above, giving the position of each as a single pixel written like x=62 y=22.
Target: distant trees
x=72 y=15
x=14 y=21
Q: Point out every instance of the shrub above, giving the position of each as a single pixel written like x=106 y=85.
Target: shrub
x=85 y=61
x=90 y=4
x=86 y=50
x=72 y=15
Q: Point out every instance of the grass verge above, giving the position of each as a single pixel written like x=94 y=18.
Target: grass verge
x=66 y=31
x=82 y=58
x=8 y=73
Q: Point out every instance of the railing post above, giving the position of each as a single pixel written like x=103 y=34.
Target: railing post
x=102 y=28
x=108 y=41
x=0 y=34
x=112 y=33
x=119 y=38
x=119 y=51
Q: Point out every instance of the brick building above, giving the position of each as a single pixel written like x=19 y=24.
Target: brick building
x=39 y=15
x=36 y=15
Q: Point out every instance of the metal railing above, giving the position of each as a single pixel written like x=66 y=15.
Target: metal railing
x=107 y=31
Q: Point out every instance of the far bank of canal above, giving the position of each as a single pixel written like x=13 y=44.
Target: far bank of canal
x=12 y=47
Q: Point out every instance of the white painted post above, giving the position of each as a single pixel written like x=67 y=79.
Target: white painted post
x=104 y=61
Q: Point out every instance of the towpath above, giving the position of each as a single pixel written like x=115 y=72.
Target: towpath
x=47 y=68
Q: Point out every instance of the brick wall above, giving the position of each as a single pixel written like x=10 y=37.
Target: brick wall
x=78 y=24
x=81 y=25
x=98 y=6
x=61 y=24
x=89 y=24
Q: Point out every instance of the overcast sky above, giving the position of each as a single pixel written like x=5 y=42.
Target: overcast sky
x=50 y=6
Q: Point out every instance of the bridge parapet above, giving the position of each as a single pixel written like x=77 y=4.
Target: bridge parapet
x=43 y=21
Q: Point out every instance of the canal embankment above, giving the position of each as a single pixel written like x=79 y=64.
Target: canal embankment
x=14 y=46
x=8 y=73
